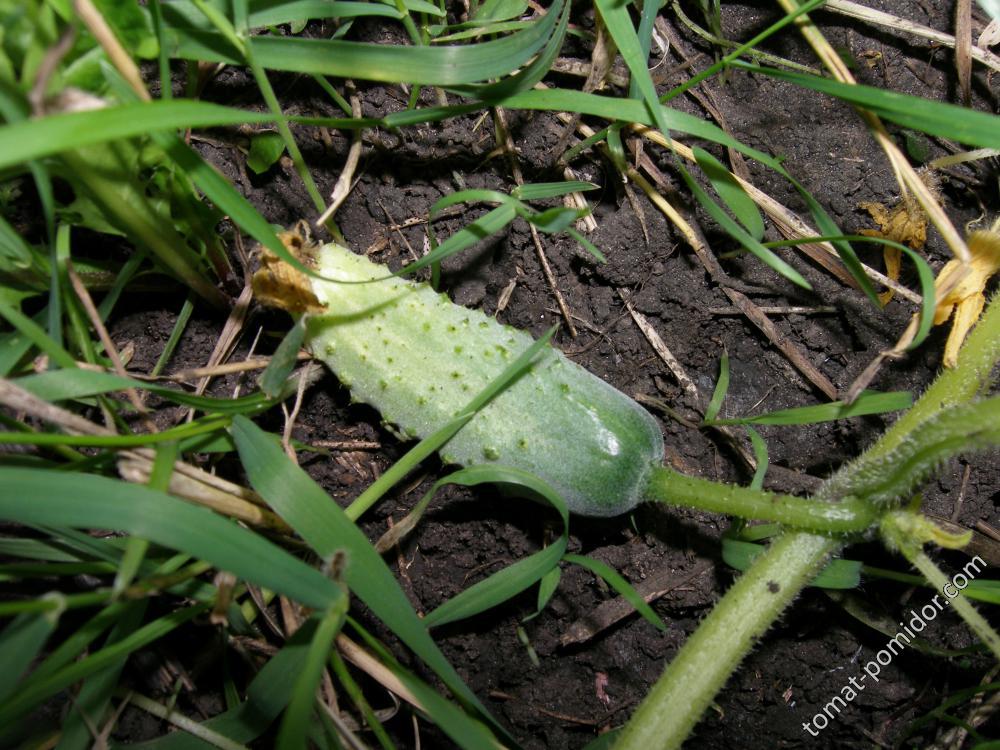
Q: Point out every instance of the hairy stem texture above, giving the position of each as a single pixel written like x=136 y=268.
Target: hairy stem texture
x=671 y=488
x=677 y=701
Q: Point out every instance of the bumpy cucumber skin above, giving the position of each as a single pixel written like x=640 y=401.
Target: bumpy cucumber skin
x=419 y=359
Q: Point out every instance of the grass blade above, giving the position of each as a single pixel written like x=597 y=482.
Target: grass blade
x=732 y=194
x=33 y=139
x=21 y=641
x=296 y=722
x=308 y=509
x=431 y=66
x=721 y=387
x=46 y=497
x=269 y=692
x=760 y=454
x=94 y=697
x=931 y=117
x=521 y=575
x=869 y=402
x=838 y=574
x=36 y=691
x=619 y=584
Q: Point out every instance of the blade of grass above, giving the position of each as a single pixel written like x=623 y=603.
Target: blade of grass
x=870 y=402
x=269 y=692
x=94 y=697
x=439 y=437
x=614 y=579
x=272 y=380
x=463 y=729
x=323 y=525
x=431 y=66
x=36 y=691
x=62 y=385
x=296 y=722
x=740 y=235
x=515 y=578
x=838 y=574
x=41 y=496
x=721 y=387
x=761 y=456
x=35 y=334
x=20 y=642
x=732 y=194
x=36 y=138
x=931 y=117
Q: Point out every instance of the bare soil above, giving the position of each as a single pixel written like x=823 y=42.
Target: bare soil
x=575 y=692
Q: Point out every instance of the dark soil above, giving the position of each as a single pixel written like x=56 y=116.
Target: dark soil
x=573 y=693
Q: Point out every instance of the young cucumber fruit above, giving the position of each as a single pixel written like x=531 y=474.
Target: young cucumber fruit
x=419 y=359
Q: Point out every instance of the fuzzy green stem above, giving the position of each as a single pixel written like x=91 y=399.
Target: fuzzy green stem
x=898 y=530
x=958 y=385
x=712 y=653
x=952 y=388
x=671 y=488
x=676 y=702
x=929 y=570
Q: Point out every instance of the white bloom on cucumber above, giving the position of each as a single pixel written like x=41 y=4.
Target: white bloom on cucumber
x=419 y=359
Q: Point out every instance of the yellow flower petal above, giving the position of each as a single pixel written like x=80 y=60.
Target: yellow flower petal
x=967 y=285
x=966 y=314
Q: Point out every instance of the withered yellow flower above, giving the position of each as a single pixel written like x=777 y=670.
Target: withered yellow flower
x=967 y=297
x=905 y=222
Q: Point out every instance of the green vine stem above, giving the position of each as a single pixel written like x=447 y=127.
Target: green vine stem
x=953 y=387
x=676 y=702
x=671 y=488
x=904 y=530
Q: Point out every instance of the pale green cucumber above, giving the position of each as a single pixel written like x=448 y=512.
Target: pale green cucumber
x=419 y=359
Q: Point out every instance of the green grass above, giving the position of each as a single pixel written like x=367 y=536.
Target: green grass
x=126 y=174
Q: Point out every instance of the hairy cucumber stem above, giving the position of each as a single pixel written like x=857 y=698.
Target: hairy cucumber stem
x=668 y=487
x=953 y=387
x=897 y=533
x=712 y=653
x=676 y=702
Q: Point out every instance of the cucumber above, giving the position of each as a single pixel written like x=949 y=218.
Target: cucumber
x=419 y=359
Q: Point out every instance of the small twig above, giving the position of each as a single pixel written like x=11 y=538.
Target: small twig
x=960 y=500
x=507 y=143
x=227 y=339
x=897 y=351
x=963 y=48
x=254 y=363
x=109 y=347
x=988 y=530
x=395 y=226
x=896 y=23
x=672 y=363
x=500 y=695
x=696 y=240
x=346 y=445
x=608 y=613
x=125 y=65
x=170 y=714
x=777 y=310
x=787 y=347
x=344 y=183
x=286 y=435
x=789 y=224
x=46 y=69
